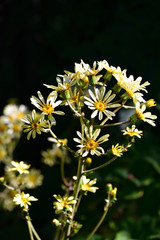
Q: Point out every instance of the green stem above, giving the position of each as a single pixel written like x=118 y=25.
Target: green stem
x=100 y=221
x=111 y=124
x=30 y=229
x=101 y=166
x=34 y=231
x=75 y=194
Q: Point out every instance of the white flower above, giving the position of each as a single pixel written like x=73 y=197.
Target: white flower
x=47 y=107
x=23 y=199
x=100 y=102
x=147 y=116
x=90 y=144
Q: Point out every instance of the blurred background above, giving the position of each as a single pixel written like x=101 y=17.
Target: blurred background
x=40 y=39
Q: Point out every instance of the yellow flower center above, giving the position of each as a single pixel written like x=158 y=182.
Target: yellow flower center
x=85 y=187
x=24 y=200
x=64 y=203
x=20 y=115
x=16 y=128
x=100 y=106
x=35 y=126
x=74 y=99
x=3 y=128
x=91 y=144
x=140 y=114
x=32 y=179
x=47 y=108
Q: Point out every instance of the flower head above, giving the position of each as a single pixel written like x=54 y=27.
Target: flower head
x=63 y=203
x=20 y=167
x=132 y=132
x=24 y=199
x=145 y=116
x=33 y=179
x=34 y=123
x=90 y=144
x=47 y=107
x=117 y=150
x=100 y=102
x=87 y=184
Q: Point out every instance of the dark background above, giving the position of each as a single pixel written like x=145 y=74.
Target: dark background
x=40 y=39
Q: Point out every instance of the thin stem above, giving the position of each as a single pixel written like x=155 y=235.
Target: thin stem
x=30 y=229
x=101 y=166
x=75 y=193
x=112 y=124
x=100 y=221
x=62 y=173
x=34 y=231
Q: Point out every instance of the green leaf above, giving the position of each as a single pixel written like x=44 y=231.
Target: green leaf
x=122 y=235
x=134 y=195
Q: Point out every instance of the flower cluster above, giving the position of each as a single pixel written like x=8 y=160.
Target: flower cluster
x=18 y=175
x=95 y=96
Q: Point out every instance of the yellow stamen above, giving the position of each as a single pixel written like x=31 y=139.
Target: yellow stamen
x=140 y=114
x=91 y=144
x=35 y=126
x=100 y=106
x=47 y=108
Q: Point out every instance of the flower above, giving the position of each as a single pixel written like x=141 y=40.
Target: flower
x=35 y=123
x=117 y=150
x=85 y=73
x=33 y=179
x=20 y=167
x=150 y=103
x=23 y=199
x=87 y=184
x=63 y=85
x=63 y=203
x=15 y=112
x=113 y=192
x=48 y=107
x=90 y=144
x=132 y=132
x=100 y=102
x=147 y=116
x=111 y=69
x=133 y=87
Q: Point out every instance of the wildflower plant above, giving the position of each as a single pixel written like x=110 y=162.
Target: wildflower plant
x=95 y=95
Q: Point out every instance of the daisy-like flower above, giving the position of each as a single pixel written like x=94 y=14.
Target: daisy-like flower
x=117 y=150
x=64 y=84
x=84 y=72
x=63 y=203
x=33 y=179
x=15 y=112
x=34 y=123
x=24 y=200
x=100 y=102
x=47 y=107
x=90 y=144
x=87 y=184
x=150 y=103
x=132 y=87
x=111 y=69
x=132 y=132
x=144 y=116
x=20 y=167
